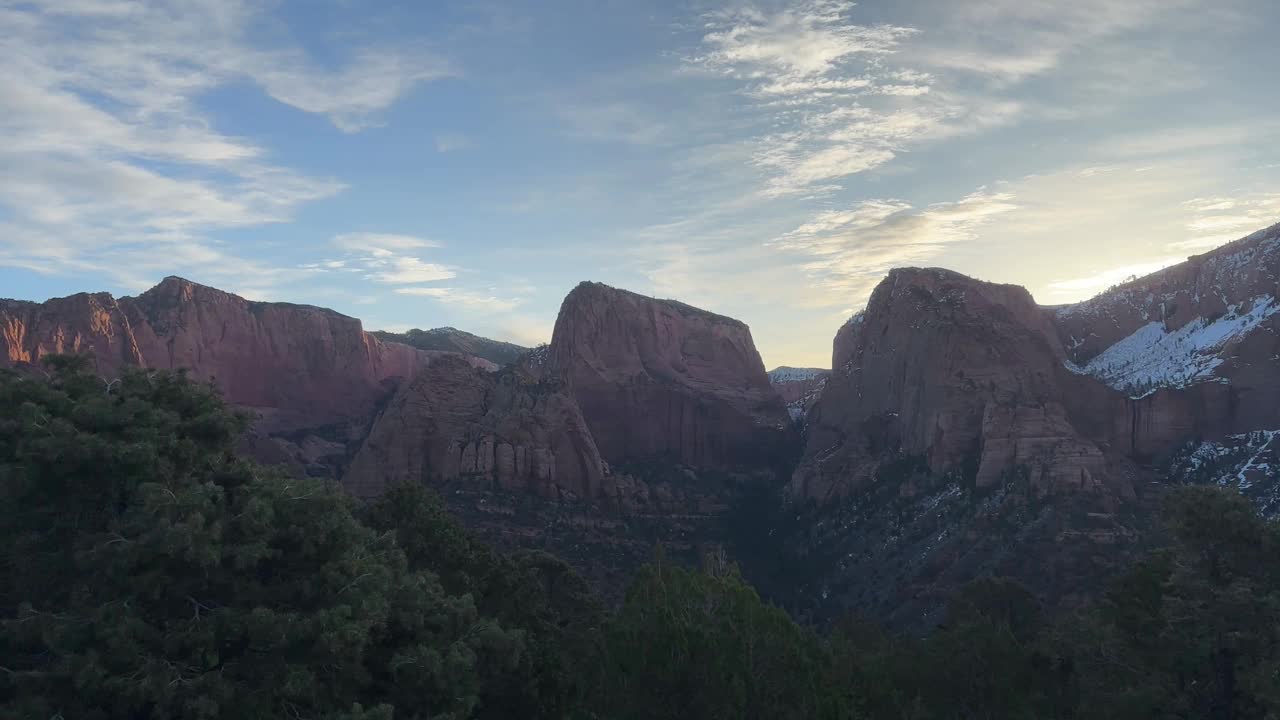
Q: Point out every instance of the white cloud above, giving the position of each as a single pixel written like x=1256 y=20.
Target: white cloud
x=1214 y=221
x=828 y=82
x=402 y=270
x=387 y=258
x=809 y=39
x=471 y=300
x=382 y=244
x=845 y=253
x=108 y=158
x=352 y=97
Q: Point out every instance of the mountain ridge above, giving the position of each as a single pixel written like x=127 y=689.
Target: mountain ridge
x=963 y=429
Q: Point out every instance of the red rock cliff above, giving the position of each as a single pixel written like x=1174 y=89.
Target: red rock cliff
x=657 y=378
x=506 y=430
x=300 y=365
x=966 y=375
x=1190 y=351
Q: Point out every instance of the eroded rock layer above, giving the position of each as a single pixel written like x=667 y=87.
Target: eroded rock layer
x=966 y=375
x=661 y=379
x=501 y=431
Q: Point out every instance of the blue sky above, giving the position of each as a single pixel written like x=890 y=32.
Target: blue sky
x=428 y=164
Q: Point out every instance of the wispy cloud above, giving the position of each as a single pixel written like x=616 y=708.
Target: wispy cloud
x=1213 y=221
x=109 y=159
x=810 y=40
x=480 y=302
x=387 y=258
x=1009 y=41
x=846 y=252
x=831 y=85
x=382 y=244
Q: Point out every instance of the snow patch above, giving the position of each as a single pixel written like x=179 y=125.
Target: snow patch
x=1153 y=357
x=793 y=374
x=1249 y=463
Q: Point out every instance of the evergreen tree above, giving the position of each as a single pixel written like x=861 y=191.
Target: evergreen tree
x=149 y=573
x=690 y=644
x=529 y=591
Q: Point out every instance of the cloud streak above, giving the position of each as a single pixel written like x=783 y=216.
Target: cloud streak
x=480 y=302
x=846 y=252
x=831 y=83
x=108 y=155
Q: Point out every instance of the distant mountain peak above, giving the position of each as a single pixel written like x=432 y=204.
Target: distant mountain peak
x=451 y=339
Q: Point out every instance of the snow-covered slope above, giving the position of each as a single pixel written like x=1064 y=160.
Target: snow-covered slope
x=1249 y=462
x=1204 y=320
x=1155 y=357
x=799 y=387
x=785 y=373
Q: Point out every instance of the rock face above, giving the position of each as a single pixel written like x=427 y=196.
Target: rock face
x=949 y=443
x=501 y=431
x=84 y=323
x=675 y=398
x=799 y=388
x=309 y=365
x=1248 y=462
x=312 y=376
x=300 y=364
x=1191 y=351
x=965 y=375
x=660 y=379
x=964 y=430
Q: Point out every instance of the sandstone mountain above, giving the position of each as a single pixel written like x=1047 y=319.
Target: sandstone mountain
x=640 y=423
x=312 y=376
x=661 y=379
x=799 y=388
x=963 y=428
x=502 y=431
x=965 y=375
x=966 y=430
x=448 y=339
x=1192 y=351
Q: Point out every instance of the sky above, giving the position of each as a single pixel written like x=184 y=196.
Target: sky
x=422 y=164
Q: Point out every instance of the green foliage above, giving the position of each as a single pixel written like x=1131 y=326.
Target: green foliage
x=1195 y=630
x=690 y=644
x=537 y=594
x=149 y=573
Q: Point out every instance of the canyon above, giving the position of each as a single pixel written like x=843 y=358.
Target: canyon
x=962 y=430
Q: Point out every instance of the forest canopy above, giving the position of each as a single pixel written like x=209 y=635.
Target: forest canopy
x=150 y=572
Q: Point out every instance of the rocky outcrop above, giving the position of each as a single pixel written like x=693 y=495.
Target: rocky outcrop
x=965 y=375
x=947 y=444
x=84 y=323
x=661 y=379
x=300 y=365
x=312 y=376
x=1190 y=351
x=966 y=431
x=502 y=431
x=799 y=388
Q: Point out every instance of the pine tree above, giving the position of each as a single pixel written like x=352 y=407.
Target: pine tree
x=149 y=573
